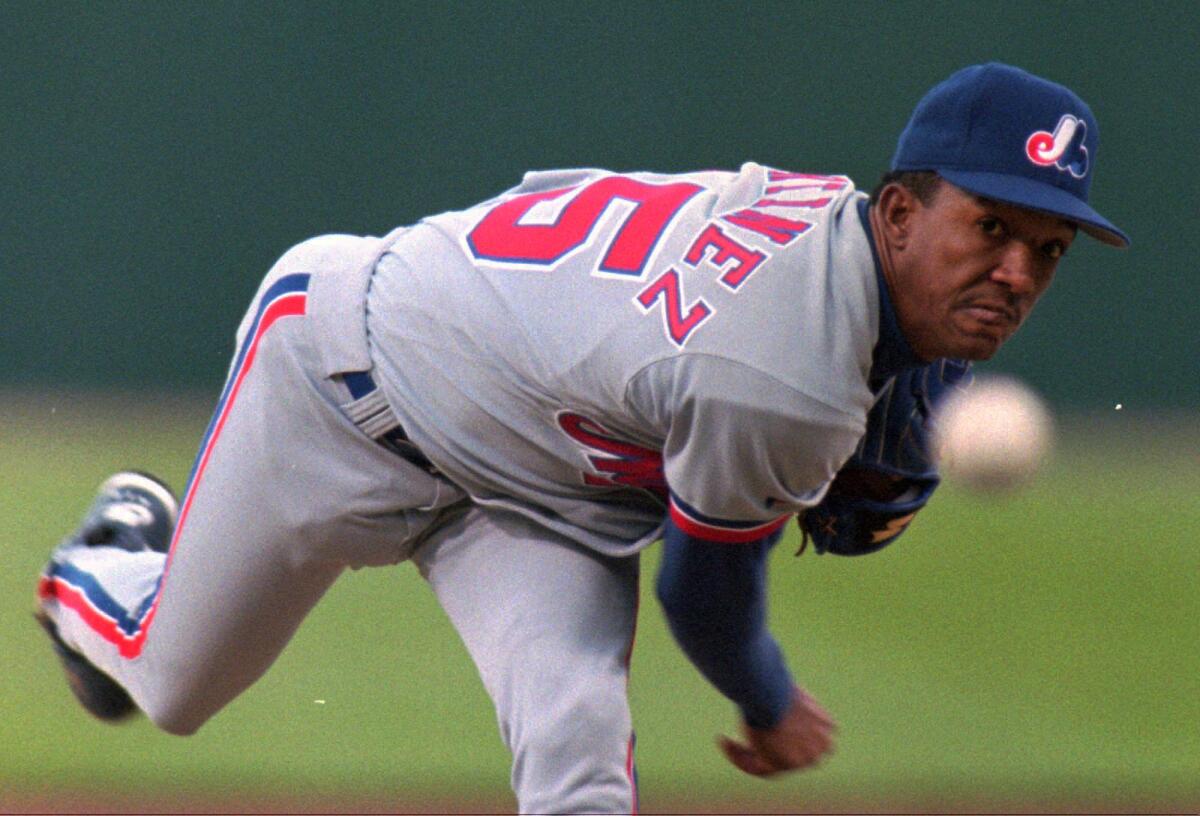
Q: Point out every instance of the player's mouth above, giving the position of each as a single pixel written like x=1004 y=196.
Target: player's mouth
x=992 y=314
x=985 y=325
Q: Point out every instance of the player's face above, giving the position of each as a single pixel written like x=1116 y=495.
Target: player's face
x=968 y=271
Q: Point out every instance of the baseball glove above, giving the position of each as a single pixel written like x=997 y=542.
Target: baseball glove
x=893 y=473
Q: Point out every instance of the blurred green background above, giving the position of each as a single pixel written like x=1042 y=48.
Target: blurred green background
x=1036 y=651
x=158 y=157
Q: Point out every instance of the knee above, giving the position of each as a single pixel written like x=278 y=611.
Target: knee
x=181 y=721
x=177 y=709
x=569 y=728
x=576 y=757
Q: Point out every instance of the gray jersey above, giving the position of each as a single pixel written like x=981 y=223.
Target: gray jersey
x=586 y=342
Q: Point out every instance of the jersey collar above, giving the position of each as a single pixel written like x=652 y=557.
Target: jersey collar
x=892 y=352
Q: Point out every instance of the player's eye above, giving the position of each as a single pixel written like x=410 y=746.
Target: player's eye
x=1054 y=249
x=992 y=227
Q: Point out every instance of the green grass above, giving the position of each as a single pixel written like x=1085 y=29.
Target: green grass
x=1035 y=648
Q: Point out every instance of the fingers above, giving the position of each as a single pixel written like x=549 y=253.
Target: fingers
x=758 y=762
x=814 y=748
x=745 y=758
x=800 y=740
x=815 y=710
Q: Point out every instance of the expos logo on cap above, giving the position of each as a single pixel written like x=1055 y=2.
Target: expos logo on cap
x=1063 y=148
x=1005 y=134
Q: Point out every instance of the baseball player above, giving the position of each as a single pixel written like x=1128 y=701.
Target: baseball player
x=521 y=396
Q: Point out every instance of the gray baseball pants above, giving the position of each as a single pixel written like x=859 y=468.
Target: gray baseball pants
x=287 y=492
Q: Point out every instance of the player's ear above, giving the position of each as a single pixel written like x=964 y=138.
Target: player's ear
x=896 y=206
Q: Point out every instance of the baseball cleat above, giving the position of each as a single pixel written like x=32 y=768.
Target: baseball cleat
x=134 y=511
x=102 y=696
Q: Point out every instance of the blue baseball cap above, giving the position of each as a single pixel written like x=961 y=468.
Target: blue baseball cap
x=1005 y=134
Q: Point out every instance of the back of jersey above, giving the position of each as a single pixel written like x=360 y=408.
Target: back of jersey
x=515 y=338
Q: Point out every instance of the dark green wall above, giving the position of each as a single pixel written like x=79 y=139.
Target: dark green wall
x=158 y=157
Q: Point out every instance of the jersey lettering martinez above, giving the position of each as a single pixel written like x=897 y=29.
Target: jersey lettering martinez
x=591 y=349
x=627 y=217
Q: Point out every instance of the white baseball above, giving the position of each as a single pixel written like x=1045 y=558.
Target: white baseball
x=992 y=437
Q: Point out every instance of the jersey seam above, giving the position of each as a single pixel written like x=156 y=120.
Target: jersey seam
x=628 y=402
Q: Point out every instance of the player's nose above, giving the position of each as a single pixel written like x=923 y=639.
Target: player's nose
x=1018 y=269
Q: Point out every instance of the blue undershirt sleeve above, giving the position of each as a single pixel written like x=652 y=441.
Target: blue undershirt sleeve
x=714 y=597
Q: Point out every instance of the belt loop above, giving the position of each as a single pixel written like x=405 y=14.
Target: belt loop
x=373 y=414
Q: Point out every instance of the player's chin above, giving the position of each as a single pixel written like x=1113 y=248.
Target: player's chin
x=979 y=343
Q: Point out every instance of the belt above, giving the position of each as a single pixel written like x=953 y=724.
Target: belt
x=371 y=412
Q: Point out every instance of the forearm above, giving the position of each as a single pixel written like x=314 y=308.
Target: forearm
x=714 y=597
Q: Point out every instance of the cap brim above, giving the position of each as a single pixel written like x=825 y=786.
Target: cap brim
x=1035 y=195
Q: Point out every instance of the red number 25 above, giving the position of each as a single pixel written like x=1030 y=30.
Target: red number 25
x=501 y=237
